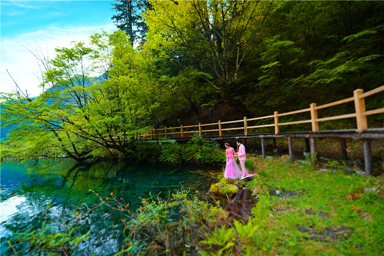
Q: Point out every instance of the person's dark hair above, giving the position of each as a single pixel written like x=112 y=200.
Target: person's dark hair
x=227 y=144
x=239 y=140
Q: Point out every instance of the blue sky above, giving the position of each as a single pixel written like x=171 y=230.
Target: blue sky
x=42 y=26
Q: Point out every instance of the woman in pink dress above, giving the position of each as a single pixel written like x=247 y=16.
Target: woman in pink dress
x=232 y=170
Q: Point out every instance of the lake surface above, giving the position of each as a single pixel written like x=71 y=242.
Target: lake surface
x=27 y=189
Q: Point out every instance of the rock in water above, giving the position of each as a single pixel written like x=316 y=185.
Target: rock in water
x=224 y=187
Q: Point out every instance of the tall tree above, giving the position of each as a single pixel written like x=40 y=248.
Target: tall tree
x=215 y=35
x=87 y=110
x=129 y=18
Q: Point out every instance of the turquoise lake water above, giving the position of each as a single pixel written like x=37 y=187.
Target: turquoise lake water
x=27 y=189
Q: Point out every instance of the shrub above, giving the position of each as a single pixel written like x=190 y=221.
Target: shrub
x=171 y=153
x=146 y=152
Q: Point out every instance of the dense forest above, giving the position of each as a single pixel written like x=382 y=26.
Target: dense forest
x=254 y=57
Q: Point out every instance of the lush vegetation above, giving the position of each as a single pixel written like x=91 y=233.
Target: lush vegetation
x=196 y=150
x=314 y=213
x=254 y=56
x=321 y=218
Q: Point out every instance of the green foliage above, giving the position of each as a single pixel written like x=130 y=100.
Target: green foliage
x=300 y=224
x=171 y=153
x=249 y=165
x=222 y=238
x=335 y=165
x=82 y=116
x=146 y=152
x=304 y=52
x=322 y=204
x=204 y=33
x=310 y=160
x=99 y=96
x=217 y=177
x=262 y=209
x=201 y=150
x=197 y=150
x=153 y=222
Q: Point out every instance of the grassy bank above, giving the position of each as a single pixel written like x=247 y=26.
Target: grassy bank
x=321 y=219
x=299 y=211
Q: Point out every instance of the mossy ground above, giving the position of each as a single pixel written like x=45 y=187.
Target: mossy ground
x=305 y=224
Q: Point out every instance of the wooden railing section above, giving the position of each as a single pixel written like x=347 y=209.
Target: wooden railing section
x=360 y=115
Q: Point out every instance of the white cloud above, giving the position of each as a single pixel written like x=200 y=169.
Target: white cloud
x=21 y=63
x=14 y=13
x=24 y=5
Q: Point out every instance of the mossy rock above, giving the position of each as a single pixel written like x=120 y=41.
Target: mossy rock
x=240 y=184
x=223 y=189
x=227 y=181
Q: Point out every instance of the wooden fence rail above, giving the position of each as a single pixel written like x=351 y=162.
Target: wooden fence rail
x=360 y=114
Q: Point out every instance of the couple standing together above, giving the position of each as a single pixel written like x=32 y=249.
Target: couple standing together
x=232 y=170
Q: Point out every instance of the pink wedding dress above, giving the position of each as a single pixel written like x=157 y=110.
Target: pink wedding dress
x=232 y=170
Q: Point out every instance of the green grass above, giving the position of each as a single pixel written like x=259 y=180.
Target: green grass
x=322 y=205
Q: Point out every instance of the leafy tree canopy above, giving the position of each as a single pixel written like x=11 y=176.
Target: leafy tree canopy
x=256 y=56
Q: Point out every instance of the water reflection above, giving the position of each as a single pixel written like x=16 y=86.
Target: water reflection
x=27 y=188
x=240 y=207
x=7 y=209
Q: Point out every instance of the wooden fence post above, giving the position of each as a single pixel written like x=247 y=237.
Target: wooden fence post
x=315 y=124
x=344 y=149
x=367 y=157
x=182 y=132
x=290 y=149
x=313 y=152
x=362 y=124
x=361 y=119
x=276 y=117
x=219 y=122
x=200 y=129
x=315 y=128
x=308 y=149
x=262 y=148
x=166 y=132
x=245 y=126
x=151 y=133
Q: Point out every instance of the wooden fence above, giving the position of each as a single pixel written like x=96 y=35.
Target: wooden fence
x=360 y=114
